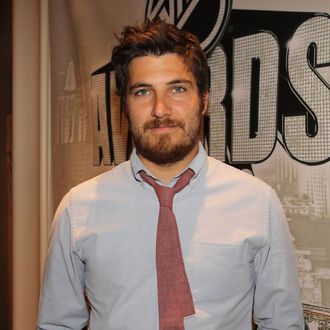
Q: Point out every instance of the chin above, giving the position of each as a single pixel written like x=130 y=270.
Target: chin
x=166 y=155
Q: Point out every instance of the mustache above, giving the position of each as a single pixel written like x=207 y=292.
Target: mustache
x=167 y=122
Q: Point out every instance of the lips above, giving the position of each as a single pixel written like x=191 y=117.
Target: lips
x=164 y=126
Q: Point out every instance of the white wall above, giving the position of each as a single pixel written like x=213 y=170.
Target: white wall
x=26 y=107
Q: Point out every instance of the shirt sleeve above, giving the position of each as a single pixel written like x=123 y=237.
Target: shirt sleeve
x=277 y=303
x=62 y=302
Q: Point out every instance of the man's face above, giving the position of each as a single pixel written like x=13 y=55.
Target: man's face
x=164 y=108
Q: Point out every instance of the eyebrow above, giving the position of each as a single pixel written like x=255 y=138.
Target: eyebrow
x=180 y=81
x=172 y=82
x=138 y=85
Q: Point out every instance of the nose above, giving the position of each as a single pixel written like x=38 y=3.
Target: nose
x=161 y=107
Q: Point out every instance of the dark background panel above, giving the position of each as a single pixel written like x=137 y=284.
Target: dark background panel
x=5 y=163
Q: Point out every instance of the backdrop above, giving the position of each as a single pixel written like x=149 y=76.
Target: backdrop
x=269 y=111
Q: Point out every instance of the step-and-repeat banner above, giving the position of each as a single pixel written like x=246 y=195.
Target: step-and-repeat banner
x=269 y=111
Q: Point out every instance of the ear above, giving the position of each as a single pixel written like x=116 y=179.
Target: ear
x=205 y=99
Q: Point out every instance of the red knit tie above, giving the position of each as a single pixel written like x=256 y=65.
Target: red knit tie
x=174 y=295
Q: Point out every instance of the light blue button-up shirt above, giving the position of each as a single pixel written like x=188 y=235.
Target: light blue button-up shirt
x=235 y=243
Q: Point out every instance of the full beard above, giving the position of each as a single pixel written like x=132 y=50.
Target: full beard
x=161 y=149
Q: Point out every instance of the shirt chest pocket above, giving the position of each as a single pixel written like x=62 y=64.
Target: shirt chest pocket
x=220 y=271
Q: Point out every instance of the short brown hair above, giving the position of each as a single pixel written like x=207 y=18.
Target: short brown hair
x=157 y=38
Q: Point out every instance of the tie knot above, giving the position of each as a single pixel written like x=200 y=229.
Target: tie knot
x=165 y=194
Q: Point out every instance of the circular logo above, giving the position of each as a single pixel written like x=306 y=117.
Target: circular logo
x=205 y=19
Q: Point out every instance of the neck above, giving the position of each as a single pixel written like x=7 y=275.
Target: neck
x=165 y=172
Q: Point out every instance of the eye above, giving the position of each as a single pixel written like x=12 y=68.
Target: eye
x=178 y=89
x=142 y=92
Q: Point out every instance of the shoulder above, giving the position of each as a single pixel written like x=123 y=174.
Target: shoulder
x=113 y=182
x=91 y=201
x=227 y=175
x=117 y=177
x=242 y=192
x=237 y=187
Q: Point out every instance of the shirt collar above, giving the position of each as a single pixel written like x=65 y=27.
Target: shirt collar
x=196 y=165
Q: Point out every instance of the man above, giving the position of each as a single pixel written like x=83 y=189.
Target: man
x=225 y=259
